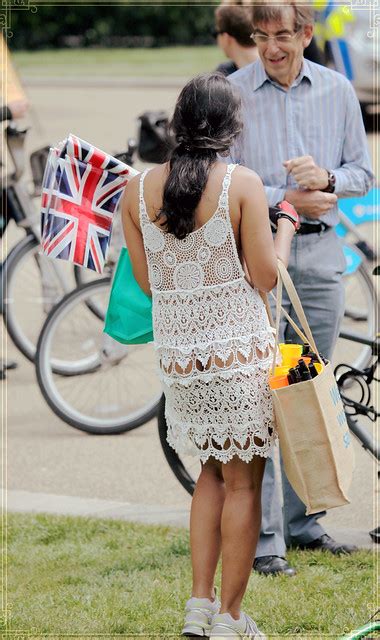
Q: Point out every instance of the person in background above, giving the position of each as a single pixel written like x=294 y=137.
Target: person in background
x=304 y=136
x=15 y=109
x=233 y=29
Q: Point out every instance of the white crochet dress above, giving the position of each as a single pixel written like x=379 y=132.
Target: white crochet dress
x=212 y=338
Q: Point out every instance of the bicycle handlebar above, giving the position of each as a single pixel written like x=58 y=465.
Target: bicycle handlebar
x=15 y=139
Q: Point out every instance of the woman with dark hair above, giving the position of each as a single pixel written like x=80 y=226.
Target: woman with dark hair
x=189 y=229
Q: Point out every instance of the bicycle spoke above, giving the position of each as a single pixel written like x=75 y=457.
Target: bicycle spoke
x=86 y=376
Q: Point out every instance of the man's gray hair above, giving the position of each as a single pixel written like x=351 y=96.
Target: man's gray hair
x=267 y=11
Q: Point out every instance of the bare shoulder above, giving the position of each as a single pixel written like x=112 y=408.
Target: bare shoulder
x=246 y=185
x=246 y=177
x=153 y=186
x=130 y=199
x=131 y=189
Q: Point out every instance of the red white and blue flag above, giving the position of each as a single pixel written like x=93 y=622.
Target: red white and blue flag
x=81 y=191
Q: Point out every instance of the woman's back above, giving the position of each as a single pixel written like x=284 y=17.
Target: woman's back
x=210 y=325
x=207 y=256
x=154 y=186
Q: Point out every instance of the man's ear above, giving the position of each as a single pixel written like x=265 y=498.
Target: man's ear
x=230 y=40
x=308 y=32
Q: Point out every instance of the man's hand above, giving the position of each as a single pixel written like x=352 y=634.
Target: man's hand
x=306 y=173
x=311 y=204
x=18 y=108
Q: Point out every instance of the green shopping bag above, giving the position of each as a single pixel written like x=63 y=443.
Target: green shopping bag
x=129 y=314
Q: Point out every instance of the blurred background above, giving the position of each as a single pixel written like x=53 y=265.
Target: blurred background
x=114 y=62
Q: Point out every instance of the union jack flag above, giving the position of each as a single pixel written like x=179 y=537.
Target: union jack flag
x=81 y=191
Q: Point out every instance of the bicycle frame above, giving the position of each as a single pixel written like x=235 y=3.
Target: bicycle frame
x=356 y=211
x=367 y=441
x=354 y=258
x=21 y=203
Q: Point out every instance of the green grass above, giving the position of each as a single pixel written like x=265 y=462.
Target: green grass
x=168 y=61
x=82 y=576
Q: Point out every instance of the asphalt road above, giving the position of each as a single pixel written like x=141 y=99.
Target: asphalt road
x=43 y=454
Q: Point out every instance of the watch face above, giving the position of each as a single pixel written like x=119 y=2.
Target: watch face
x=332 y=181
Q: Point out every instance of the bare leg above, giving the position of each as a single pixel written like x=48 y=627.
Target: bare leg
x=205 y=534
x=240 y=526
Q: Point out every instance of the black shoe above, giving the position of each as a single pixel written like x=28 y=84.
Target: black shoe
x=375 y=534
x=326 y=543
x=273 y=566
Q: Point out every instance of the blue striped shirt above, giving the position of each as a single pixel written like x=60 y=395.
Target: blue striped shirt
x=319 y=115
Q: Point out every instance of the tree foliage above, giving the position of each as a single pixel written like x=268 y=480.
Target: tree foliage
x=112 y=26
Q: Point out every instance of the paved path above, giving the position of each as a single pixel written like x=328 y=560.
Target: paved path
x=29 y=502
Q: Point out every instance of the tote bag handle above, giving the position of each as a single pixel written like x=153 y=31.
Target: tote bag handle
x=284 y=280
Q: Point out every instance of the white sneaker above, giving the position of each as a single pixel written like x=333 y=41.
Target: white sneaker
x=225 y=626
x=198 y=616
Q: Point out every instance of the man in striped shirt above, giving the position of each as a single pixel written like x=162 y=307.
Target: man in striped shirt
x=304 y=135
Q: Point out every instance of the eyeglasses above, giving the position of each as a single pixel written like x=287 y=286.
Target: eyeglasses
x=281 y=38
x=216 y=33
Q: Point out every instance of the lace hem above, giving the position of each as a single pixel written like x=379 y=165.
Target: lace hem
x=245 y=355
x=211 y=443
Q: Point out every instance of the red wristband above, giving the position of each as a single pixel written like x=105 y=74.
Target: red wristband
x=289 y=212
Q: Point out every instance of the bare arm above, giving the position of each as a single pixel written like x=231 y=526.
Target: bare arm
x=13 y=110
x=133 y=235
x=259 y=251
x=283 y=240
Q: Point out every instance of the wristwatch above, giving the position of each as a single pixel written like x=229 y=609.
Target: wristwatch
x=331 y=182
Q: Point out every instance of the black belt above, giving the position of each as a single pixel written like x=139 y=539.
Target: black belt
x=307 y=228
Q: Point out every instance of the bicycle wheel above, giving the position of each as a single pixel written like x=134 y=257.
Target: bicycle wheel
x=106 y=387
x=363 y=434
x=185 y=468
x=367 y=243
x=360 y=317
x=83 y=276
x=32 y=285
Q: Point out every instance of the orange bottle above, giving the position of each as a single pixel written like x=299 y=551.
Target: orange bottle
x=276 y=382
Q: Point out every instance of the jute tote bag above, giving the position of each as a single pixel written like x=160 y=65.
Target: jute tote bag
x=314 y=438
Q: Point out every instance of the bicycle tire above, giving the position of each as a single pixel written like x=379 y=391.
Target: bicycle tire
x=78 y=275
x=47 y=364
x=84 y=276
x=13 y=317
x=175 y=463
x=362 y=355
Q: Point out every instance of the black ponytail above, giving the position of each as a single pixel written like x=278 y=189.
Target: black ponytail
x=206 y=120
